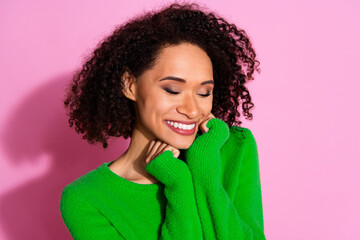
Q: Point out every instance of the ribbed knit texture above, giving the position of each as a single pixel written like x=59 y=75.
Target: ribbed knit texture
x=215 y=193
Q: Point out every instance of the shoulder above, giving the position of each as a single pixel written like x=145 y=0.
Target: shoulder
x=79 y=188
x=241 y=144
x=239 y=153
x=241 y=135
x=76 y=202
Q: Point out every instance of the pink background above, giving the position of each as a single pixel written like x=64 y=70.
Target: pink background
x=306 y=112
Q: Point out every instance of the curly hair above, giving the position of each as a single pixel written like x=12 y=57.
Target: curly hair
x=95 y=102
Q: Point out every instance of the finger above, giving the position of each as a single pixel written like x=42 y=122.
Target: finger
x=204 y=129
x=174 y=151
x=147 y=158
x=203 y=126
x=160 y=149
x=150 y=147
x=152 y=151
x=154 y=147
x=211 y=115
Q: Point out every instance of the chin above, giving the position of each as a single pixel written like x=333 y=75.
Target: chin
x=183 y=145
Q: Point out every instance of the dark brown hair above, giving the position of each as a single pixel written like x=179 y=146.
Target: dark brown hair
x=95 y=103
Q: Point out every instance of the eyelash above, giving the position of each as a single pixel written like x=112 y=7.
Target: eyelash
x=172 y=92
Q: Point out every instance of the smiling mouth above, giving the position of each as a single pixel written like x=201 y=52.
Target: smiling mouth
x=180 y=128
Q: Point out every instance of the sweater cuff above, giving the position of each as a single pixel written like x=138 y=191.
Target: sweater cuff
x=210 y=141
x=218 y=131
x=169 y=170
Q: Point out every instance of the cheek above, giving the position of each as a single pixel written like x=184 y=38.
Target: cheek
x=156 y=104
x=206 y=107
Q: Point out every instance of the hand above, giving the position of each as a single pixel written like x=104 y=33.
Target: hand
x=202 y=125
x=157 y=147
x=162 y=163
x=203 y=156
x=215 y=136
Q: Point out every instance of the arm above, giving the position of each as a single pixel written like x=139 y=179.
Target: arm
x=83 y=220
x=223 y=218
x=182 y=220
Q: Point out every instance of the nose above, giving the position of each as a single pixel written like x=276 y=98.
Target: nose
x=188 y=107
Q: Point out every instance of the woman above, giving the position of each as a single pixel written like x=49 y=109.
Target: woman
x=172 y=80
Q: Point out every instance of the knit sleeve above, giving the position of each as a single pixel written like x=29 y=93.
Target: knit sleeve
x=221 y=217
x=181 y=218
x=82 y=219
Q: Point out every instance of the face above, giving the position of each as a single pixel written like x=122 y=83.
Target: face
x=178 y=89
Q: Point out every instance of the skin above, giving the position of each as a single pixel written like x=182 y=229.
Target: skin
x=154 y=104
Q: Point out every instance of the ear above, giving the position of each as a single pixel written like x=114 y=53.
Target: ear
x=128 y=85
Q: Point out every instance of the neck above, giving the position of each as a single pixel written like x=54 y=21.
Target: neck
x=131 y=165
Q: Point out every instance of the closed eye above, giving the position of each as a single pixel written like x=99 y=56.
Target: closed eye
x=175 y=93
x=205 y=95
x=170 y=91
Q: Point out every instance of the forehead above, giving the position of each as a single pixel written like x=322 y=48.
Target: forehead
x=184 y=59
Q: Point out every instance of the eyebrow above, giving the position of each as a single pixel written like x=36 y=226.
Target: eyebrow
x=183 y=80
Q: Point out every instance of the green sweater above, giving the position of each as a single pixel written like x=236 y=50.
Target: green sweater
x=215 y=193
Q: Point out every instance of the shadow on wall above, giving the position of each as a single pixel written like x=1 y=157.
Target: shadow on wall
x=40 y=126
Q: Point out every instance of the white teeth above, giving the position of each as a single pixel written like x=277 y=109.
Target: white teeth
x=181 y=125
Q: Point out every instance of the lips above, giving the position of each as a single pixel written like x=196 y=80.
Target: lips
x=181 y=131
x=185 y=122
